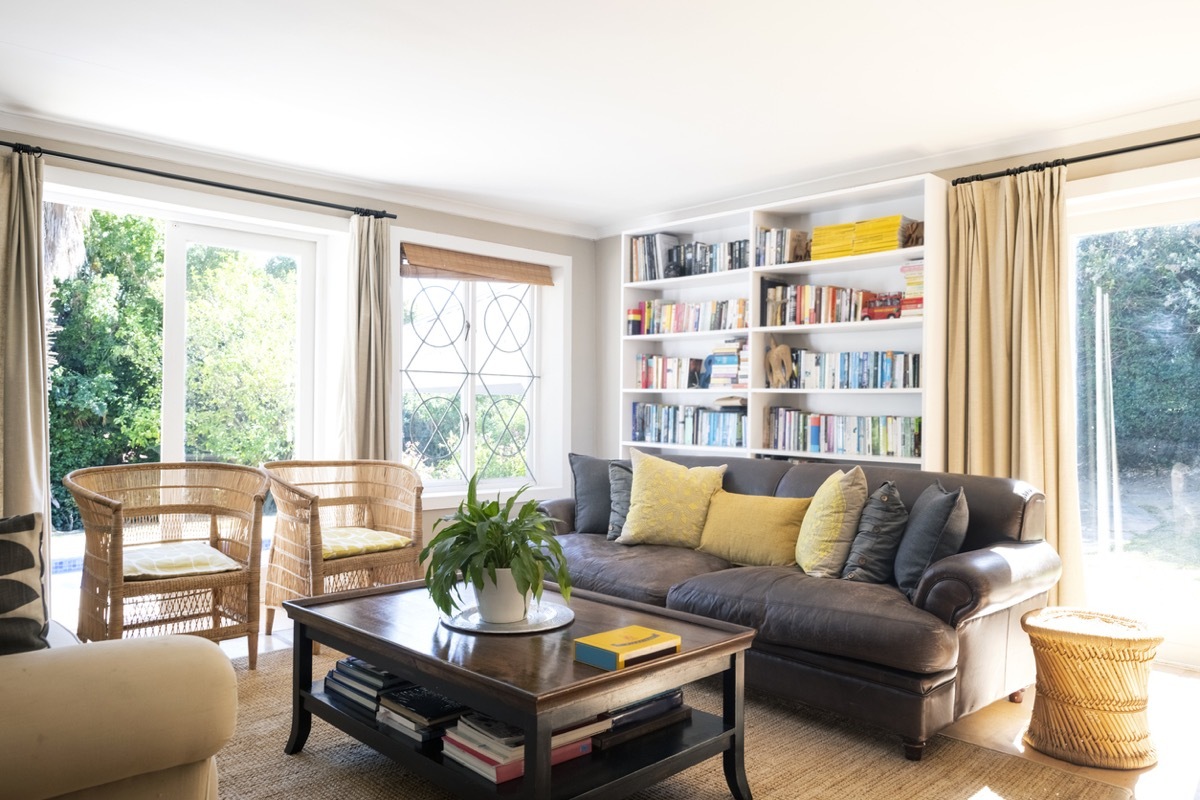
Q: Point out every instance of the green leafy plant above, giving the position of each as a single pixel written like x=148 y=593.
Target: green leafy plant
x=483 y=536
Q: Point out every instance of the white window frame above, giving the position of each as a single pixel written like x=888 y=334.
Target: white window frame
x=550 y=416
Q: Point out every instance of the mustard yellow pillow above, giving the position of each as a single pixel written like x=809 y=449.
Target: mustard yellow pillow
x=350 y=541
x=753 y=530
x=831 y=523
x=668 y=502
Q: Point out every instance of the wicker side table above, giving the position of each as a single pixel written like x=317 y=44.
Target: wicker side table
x=1092 y=673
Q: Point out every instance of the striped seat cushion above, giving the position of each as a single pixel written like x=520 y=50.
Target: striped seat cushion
x=345 y=542
x=175 y=560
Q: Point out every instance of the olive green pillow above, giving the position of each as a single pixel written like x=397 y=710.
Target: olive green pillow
x=668 y=502
x=754 y=530
x=831 y=523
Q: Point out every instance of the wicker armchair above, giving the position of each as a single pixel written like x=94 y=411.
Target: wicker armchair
x=170 y=548
x=318 y=502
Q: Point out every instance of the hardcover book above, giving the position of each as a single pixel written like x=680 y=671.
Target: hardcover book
x=624 y=647
x=421 y=705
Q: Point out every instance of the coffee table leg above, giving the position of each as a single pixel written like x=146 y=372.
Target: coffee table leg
x=734 y=714
x=301 y=681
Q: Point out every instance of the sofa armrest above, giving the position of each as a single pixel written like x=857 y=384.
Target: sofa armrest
x=563 y=510
x=83 y=716
x=979 y=582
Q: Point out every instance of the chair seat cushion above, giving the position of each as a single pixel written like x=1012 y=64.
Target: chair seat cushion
x=175 y=560
x=350 y=541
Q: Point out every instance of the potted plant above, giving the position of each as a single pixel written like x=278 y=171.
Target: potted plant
x=504 y=556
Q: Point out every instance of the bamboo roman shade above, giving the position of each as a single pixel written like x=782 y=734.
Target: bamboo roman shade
x=420 y=261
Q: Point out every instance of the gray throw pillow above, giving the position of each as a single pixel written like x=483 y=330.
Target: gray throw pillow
x=880 y=527
x=592 y=501
x=620 y=483
x=937 y=525
x=23 y=625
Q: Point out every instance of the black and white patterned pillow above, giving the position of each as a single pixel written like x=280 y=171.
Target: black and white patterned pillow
x=22 y=604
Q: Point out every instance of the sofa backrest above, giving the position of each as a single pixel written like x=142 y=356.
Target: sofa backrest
x=1000 y=509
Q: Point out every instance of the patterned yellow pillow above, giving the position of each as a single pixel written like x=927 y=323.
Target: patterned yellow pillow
x=344 y=542
x=831 y=524
x=668 y=502
x=754 y=530
x=175 y=560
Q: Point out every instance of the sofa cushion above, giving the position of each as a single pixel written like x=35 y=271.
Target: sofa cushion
x=880 y=527
x=868 y=621
x=936 y=527
x=620 y=481
x=23 y=614
x=831 y=523
x=753 y=530
x=644 y=573
x=592 y=501
x=668 y=502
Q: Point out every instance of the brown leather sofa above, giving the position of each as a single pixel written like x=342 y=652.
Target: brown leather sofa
x=863 y=650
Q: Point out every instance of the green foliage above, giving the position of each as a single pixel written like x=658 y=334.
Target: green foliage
x=1152 y=278
x=483 y=536
x=106 y=354
x=432 y=440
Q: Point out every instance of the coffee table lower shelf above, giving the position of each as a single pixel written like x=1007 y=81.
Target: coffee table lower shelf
x=609 y=773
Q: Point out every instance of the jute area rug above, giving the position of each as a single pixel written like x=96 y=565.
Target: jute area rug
x=792 y=751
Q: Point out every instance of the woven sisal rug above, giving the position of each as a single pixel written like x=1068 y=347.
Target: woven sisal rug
x=792 y=751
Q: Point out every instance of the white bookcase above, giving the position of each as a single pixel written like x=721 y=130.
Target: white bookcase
x=921 y=197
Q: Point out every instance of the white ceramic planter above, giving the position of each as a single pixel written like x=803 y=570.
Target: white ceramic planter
x=500 y=602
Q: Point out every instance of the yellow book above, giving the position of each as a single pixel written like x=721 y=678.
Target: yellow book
x=624 y=647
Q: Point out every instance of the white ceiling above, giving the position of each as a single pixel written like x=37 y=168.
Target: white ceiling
x=585 y=116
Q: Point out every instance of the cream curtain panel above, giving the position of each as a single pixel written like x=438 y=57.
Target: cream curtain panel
x=368 y=379
x=1011 y=364
x=24 y=427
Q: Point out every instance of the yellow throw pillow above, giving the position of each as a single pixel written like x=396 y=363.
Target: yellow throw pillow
x=668 y=502
x=754 y=530
x=174 y=560
x=345 y=542
x=831 y=523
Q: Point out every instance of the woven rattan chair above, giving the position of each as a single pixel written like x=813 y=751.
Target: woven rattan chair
x=322 y=506
x=170 y=548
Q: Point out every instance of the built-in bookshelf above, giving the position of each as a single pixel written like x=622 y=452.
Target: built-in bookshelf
x=842 y=356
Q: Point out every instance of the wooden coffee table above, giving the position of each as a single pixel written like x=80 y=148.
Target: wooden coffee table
x=530 y=680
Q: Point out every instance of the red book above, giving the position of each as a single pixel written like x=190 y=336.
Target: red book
x=488 y=767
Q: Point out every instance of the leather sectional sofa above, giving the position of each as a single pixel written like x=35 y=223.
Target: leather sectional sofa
x=863 y=650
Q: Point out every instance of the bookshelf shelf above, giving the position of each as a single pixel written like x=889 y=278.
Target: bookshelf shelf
x=869 y=276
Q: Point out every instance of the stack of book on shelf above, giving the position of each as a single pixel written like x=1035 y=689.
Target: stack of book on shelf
x=358 y=684
x=656 y=371
x=832 y=241
x=625 y=647
x=794 y=429
x=879 y=234
x=913 y=304
x=723 y=365
x=496 y=750
x=859 y=369
x=643 y=717
x=785 y=304
x=657 y=316
x=657 y=423
x=781 y=246
x=649 y=256
x=416 y=712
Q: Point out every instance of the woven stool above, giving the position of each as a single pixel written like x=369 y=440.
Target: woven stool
x=1092 y=671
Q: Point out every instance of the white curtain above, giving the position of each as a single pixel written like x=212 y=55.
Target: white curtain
x=24 y=426
x=368 y=382
x=1011 y=408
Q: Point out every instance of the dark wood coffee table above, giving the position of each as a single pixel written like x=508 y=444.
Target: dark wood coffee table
x=530 y=680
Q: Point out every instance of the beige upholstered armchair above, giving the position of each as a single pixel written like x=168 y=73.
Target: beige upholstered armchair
x=341 y=525
x=170 y=548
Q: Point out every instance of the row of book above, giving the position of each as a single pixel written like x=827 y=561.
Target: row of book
x=793 y=429
x=865 y=369
x=781 y=246
x=858 y=238
x=662 y=255
x=808 y=304
x=729 y=365
x=483 y=744
x=659 y=316
x=674 y=424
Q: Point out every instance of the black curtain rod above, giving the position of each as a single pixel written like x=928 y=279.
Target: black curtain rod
x=1073 y=160
x=37 y=151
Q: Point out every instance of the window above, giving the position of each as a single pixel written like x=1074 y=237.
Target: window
x=481 y=363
